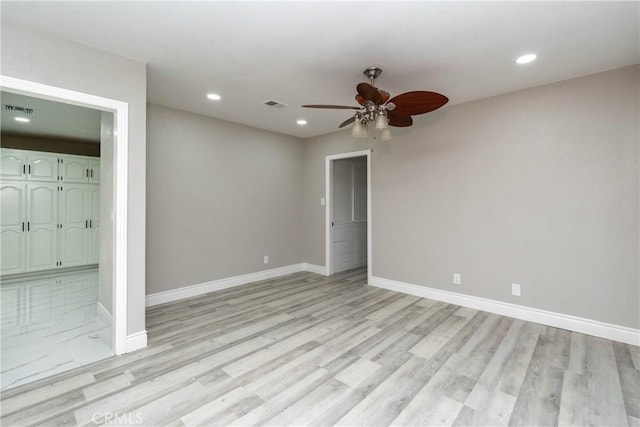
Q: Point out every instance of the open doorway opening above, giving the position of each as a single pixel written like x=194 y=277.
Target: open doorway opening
x=348 y=212
x=53 y=316
x=59 y=263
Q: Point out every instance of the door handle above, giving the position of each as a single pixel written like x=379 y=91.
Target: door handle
x=87 y=173
x=28 y=226
x=91 y=173
x=22 y=226
x=29 y=169
x=90 y=223
x=86 y=223
x=24 y=169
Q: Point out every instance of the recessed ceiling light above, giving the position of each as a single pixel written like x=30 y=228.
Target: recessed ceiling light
x=213 y=96
x=301 y=122
x=525 y=59
x=22 y=119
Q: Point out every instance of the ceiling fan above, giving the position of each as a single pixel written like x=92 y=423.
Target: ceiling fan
x=377 y=106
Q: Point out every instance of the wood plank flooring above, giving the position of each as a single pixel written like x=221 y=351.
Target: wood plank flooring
x=309 y=350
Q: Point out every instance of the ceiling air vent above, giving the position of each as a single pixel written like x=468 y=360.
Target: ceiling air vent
x=16 y=109
x=274 y=104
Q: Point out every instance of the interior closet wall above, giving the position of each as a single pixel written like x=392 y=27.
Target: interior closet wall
x=51 y=145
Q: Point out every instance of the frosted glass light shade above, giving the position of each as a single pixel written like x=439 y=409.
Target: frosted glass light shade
x=381 y=122
x=385 y=135
x=359 y=130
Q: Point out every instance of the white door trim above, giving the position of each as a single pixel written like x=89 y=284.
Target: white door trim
x=328 y=192
x=121 y=180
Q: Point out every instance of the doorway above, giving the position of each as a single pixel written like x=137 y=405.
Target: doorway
x=348 y=212
x=56 y=312
x=116 y=147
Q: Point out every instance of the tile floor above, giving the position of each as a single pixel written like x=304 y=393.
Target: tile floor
x=50 y=325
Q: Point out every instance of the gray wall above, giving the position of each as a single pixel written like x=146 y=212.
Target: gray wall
x=58 y=62
x=220 y=197
x=538 y=187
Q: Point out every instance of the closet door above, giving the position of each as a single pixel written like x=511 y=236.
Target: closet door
x=74 y=220
x=42 y=166
x=42 y=233
x=94 y=225
x=12 y=227
x=74 y=169
x=13 y=164
x=94 y=170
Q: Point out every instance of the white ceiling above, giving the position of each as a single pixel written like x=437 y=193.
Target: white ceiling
x=314 y=52
x=50 y=118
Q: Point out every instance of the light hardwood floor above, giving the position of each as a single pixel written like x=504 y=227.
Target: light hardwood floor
x=309 y=350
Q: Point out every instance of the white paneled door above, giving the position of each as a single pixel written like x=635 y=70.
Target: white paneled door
x=79 y=231
x=80 y=169
x=42 y=233
x=75 y=206
x=13 y=227
x=73 y=169
x=94 y=225
x=50 y=211
x=29 y=165
x=13 y=164
x=42 y=166
x=94 y=171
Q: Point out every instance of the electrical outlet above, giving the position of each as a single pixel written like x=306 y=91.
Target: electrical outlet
x=515 y=289
x=457 y=279
x=266 y=259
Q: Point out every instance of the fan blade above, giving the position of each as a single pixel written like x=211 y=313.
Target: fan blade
x=399 y=120
x=385 y=95
x=347 y=122
x=360 y=100
x=418 y=102
x=369 y=93
x=336 y=107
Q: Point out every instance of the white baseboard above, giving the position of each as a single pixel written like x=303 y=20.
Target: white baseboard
x=549 y=318
x=103 y=314
x=313 y=268
x=136 y=341
x=218 y=285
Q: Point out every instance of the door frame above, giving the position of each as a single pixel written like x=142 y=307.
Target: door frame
x=328 y=206
x=120 y=185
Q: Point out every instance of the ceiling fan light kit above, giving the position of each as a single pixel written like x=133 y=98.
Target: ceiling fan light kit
x=359 y=130
x=377 y=107
x=385 y=135
x=382 y=122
